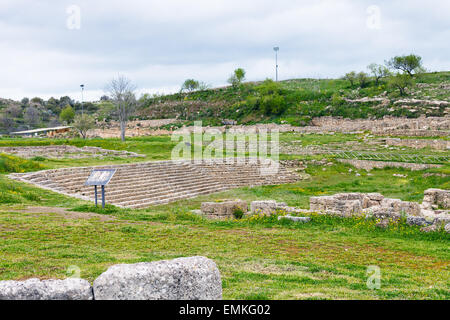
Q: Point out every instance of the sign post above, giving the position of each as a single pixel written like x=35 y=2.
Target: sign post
x=100 y=177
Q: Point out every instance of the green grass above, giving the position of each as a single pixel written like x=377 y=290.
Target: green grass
x=263 y=259
x=258 y=257
x=152 y=147
x=12 y=164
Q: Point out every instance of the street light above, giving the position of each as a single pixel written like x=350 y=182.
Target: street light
x=82 y=90
x=276 y=49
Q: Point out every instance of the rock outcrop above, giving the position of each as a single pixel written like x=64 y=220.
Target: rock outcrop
x=35 y=289
x=195 y=278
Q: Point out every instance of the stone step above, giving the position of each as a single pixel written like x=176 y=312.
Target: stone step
x=143 y=182
x=150 y=193
x=169 y=195
x=172 y=199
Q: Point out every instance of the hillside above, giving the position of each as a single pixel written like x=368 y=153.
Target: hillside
x=294 y=102
x=298 y=101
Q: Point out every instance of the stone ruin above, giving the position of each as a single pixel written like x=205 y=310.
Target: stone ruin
x=432 y=214
x=223 y=210
x=434 y=199
x=194 y=278
x=350 y=204
x=67 y=151
x=419 y=143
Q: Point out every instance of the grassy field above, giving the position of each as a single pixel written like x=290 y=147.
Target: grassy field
x=43 y=234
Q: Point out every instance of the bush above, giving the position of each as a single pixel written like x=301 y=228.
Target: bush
x=238 y=213
x=273 y=104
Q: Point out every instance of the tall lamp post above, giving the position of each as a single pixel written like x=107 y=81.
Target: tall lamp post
x=276 y=49
x=82 y=90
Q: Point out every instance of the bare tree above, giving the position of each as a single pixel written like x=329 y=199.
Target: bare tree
x=7 y=123
x=121 y=92
x=32 y=116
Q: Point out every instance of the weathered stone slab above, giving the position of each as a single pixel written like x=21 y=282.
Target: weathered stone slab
x=436 y=197
x=295 y=219
x=268 y=207
x=223 y=210
x=35 y=289
x=195 y=278
x=417 y=221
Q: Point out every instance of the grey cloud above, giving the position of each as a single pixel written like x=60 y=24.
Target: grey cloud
x=159 y=43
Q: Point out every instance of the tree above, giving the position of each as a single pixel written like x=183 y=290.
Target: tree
x=237 y=77
x=13 y=111
x=401 y=82
x=83 y=123
x=363 y=79
x=190 y=85
x=121 y=91
x=409 y=64
x=203 y=86
x=351 y=76
x=32 y=116
x=25 y=102
x=7 y=123
x=67 y=114
x=378 y=71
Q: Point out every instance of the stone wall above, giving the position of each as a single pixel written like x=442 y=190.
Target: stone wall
x=369 y=165
x=194 y=278
x=350 y=204
x=223 y=210
x=419 y=144
x=436 y=198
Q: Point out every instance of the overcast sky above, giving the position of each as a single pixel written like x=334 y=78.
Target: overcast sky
x=47 y=49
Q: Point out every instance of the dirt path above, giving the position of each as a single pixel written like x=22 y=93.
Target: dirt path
x=66 y=213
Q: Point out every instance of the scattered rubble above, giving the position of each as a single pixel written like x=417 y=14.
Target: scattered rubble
x=295 y=219
x=67 y=151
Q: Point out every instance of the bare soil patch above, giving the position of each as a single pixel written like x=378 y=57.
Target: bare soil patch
x=66 y=213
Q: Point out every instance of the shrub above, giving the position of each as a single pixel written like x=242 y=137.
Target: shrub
x=238 y=213
x=273 y=104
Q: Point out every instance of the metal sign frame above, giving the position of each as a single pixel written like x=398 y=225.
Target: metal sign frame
x=100 y=177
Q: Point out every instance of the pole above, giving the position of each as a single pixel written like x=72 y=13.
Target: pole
x=95 y=189
x=276 y=49
x=276 y=61
x=82 y=98
x=103 y=197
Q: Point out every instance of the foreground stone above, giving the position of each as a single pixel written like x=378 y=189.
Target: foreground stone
x=417 y=221
x=35 y=289
x=267 y=207
x=223 y=210
x=195 y=278
x=295 y=219
x=435 y=198
x=351 y=204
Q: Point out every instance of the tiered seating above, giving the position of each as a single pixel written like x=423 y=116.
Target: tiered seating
x=146 y=184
